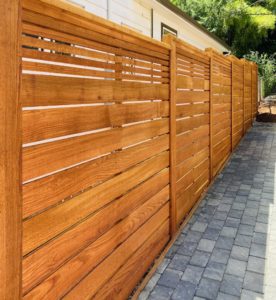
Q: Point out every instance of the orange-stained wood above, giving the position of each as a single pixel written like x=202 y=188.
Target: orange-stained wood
x=10 y=151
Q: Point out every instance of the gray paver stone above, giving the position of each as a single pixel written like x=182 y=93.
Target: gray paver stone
x=206 y=245
x=214 y=270
x=243 y=240
x=161 y=293
x=240 y=253
x=198 y=226
x=184 y=290
x=261 y=227
x=258 y=250
x=224 y=243
x=192 y=274
x=231 y=285
x=256 y=264
x=222 y=296
x=228 y=232
x=211 y=233
x=179 y=262
x=208 y=288
x=249 y=295
x=220 y=255
x=236 y=267
x=187 y=248
x=254 y=282
x=200 y=258
x=246 y=229
x=170 y=278
x=259 y=238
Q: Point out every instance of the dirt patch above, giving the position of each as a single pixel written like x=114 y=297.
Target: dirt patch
x=265 y=115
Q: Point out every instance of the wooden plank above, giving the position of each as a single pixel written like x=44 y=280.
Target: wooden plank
x=141 y=201
x=193 y=148
x=201 y=59
x=10 y=151
x=191 y=162
x=102 y=274
x=194 y=109
x=46 y=68
x=104 y=67
x=173 y=79
x=50 y=123
x=65 y=153
x=137 y=265
x=86 y=263
x=85 y=19
x=43 y=193
x=189 y=197
x=191 y=123
x=38 y=90
x=187 y=137
x=211 y=106
x=192 y=96
x=185 y=82
x=45 y=226
x=88 y=33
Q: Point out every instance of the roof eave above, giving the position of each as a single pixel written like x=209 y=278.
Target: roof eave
x=189 y=19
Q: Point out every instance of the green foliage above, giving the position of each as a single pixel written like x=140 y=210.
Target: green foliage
x=247 y=26
x=242 y=24
x=267 y=69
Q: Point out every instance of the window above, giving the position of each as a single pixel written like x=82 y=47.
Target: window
x=167 y=29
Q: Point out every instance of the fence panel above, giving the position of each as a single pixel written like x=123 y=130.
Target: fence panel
x=237 y=101
x=121 y=135
x=221 y=110
x=192 y=126
x=95 y=154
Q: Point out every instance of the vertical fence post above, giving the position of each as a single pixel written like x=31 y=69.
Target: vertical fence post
x=232 y=105
x=169 y=39
x=209 y=52
x=243 y=68
x=10 y=151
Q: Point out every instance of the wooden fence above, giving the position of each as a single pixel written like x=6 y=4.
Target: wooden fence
x=121 y=135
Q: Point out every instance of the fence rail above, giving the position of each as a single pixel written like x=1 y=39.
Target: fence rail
x=120 y=135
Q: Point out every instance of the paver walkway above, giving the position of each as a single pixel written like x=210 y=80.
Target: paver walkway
x=228 y=249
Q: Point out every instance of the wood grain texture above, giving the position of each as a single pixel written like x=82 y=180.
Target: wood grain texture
x=87 y=260
x=43 y=193
x=50 y=123
x=121 y=136
x=169 y=40
x=42 y=263
x=38 y=90
x=10 y=151
x=47 y=225
x=192 y=124
x=65 y=153
x=139 y=262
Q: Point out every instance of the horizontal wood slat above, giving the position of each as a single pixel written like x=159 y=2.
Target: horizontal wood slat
x=50 y=123
x=48 y=259
x=49 y=90
x=65 y=153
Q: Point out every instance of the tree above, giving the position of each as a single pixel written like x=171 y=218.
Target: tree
x=267 y=69
x=243 y=24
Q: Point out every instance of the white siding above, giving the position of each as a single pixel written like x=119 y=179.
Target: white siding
x=132 y=14
x=136 y=14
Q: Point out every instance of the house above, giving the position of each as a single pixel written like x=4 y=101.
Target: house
x=154 y=18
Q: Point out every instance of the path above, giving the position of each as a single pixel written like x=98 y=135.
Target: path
x=228 y=249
